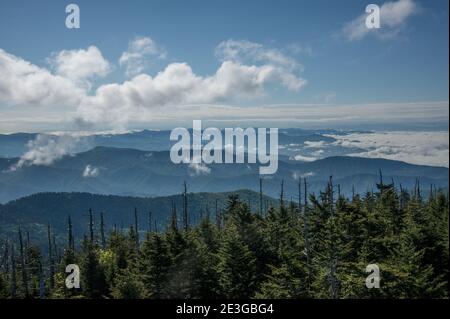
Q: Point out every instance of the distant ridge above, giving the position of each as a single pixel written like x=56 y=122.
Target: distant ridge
x=131 y=172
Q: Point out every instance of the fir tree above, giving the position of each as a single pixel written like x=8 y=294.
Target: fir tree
x=154 y=265
x=237 y=267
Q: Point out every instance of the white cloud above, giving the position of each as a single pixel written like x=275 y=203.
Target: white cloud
x=314 y=144
x=176 y=85
x=250 y=52
x=46 y=149
x=318 y=153
x=393 y=16
x=361 y=116
x=139 y=51
x=298 y=175
x=303 y=158
x=90 y=171
x=246 y=52
x=196 y=169
x=424 y=148
x=80 y=65
x=23 y=83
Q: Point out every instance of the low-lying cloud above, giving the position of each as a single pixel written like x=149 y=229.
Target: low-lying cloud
x=197 y=169
x=424 y=148
x=298 y=175
x=46 y=149
x=304 y=158
x=91 y=171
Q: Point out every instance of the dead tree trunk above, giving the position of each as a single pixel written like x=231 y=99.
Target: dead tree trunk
x=50 y=258
x=13 y=273
x=102 y=230
x=23 y=266
x=185 y=208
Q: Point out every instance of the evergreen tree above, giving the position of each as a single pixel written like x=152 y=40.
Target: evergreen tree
x=154 y=266
x=94 y=280
x=206 y=277
x=237 y=267
x=318 y=247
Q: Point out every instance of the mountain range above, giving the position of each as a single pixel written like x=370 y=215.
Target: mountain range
x=16 y=144
x=131 y=172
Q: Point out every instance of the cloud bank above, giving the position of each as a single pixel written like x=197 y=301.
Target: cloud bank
x=245 y=71
x=423 y=148
x=176 y=85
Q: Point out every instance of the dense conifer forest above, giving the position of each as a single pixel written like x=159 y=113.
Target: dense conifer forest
x=313 y=246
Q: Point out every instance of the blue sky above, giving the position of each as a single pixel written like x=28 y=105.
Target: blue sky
x=405 y=64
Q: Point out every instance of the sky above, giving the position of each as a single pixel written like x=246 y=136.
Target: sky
x=160 y=64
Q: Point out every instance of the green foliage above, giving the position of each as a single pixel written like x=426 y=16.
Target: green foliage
x=128 y=285
x=94 y=279
x=154 y=266
x=3 y=287
x=319 y=250
x=237 y=266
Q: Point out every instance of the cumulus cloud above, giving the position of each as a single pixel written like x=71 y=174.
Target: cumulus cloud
x=90 y=171
x=196 y=169
x=23 y=83
x=424 y=148
x=80 y=65
x=139 y=51
x=245 y=71
x=176 y=85
x=46 y=149
x=393 y=17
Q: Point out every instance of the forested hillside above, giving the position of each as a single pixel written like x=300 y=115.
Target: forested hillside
x=315 y=246
x=33 y=213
